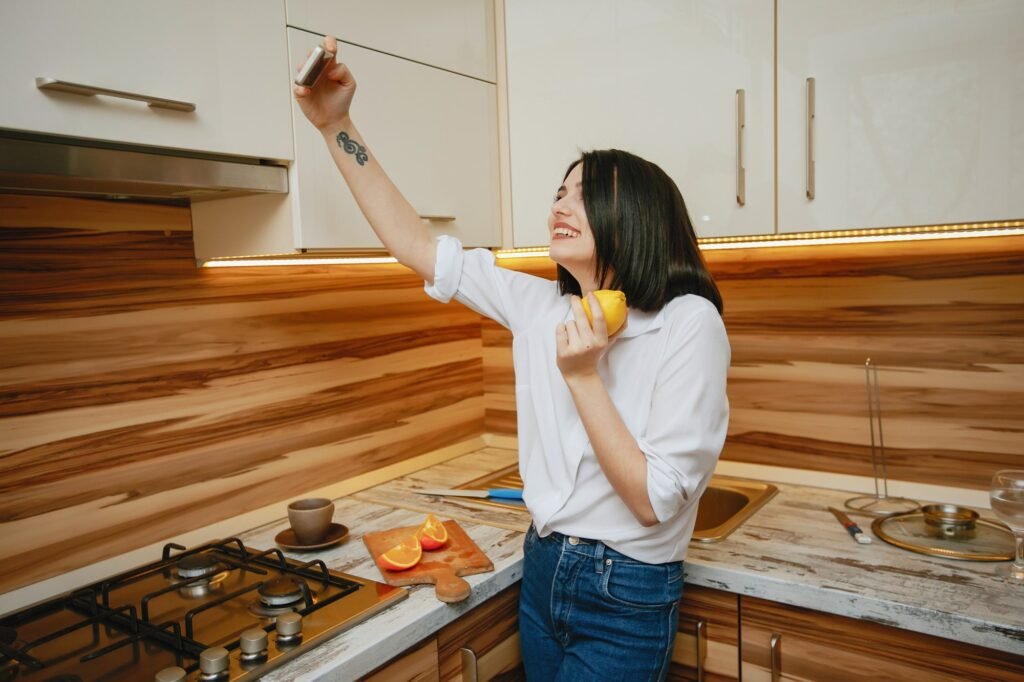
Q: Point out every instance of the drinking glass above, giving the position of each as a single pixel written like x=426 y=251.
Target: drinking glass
x=1007 y=496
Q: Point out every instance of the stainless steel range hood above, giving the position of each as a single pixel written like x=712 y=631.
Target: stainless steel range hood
x=64 y=166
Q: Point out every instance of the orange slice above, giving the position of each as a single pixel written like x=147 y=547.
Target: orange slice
x=402 y=556
x=432 y=534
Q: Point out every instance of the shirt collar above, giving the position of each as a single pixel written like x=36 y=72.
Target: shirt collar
x=639 y=322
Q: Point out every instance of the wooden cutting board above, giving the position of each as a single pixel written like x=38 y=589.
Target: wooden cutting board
x=459 y=556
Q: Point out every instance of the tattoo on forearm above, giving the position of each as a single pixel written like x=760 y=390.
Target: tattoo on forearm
x=353 y=147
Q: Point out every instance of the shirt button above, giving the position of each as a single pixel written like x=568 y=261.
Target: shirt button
x=573 y=540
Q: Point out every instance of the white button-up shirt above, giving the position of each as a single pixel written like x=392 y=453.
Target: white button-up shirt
x=665 y=373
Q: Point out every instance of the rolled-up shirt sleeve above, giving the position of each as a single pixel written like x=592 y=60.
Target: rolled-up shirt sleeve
x=474 y=279
x=689 y=413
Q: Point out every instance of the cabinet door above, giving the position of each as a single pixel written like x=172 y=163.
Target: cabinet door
x=707 y=644
x=457 y=35
x=434 y=132
x=658 y=79
x=916 y=112
x=419 y=664
x=787 y=643
x=484 y=643
x=228 y=58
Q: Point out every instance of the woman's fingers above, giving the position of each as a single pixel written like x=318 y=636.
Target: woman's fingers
x=600 y=325
x=573 y=335
x=580 y=317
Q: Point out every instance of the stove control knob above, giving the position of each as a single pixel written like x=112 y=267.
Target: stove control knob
x=253 y=644
x=289 y=627
x=213 y=663
x=172 y=674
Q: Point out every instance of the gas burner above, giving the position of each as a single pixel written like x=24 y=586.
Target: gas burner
x=280 y=595
x=202 y=573
x=197 y=566
x=280 y=591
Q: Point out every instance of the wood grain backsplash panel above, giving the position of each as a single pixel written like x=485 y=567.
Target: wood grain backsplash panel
x=942 y=319
x=142 y=397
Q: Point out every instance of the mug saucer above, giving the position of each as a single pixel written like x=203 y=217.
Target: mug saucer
x=287 y=539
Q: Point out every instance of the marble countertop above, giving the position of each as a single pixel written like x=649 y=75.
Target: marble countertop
x=792 y=551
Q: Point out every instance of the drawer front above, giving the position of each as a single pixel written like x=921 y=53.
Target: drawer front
x=457 y=35
x=434 y=132
x=228 y=58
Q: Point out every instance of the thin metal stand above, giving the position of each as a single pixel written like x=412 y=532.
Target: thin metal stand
x=879 y=504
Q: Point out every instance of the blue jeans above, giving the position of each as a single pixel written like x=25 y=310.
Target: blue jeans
x=589 y=613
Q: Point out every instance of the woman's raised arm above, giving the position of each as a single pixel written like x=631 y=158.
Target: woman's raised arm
x=326 y=105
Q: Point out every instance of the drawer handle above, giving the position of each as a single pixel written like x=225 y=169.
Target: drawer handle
x=470 y=666
x=741 y=172
x=438 y=218
x=775 y=647
x=811 y=115
x=90 y=90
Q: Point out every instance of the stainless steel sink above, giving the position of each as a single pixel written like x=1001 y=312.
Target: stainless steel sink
x=723 y=508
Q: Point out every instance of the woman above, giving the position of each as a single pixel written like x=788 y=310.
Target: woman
x=618 y=437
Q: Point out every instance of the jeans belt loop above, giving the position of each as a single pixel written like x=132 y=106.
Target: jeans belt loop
x=599 y=557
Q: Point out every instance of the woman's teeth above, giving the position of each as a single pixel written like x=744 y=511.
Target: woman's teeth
x=562 y=232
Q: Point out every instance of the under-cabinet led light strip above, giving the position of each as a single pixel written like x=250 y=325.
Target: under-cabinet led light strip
x=887 y=234
x=295 y=261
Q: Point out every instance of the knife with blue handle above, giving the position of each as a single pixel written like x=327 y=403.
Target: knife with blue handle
x=498 y=493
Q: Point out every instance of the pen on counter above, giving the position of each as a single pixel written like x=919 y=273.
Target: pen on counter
x=852 y=528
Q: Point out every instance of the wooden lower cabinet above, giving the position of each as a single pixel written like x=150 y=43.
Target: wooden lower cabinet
x=707 y=641
x=782 y=642
x=484 y=643
x=418 y=664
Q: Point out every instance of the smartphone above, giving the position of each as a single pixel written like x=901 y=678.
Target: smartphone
x=314 y=66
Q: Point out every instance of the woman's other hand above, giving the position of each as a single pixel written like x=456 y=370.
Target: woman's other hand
x=579 y=345
x=326 y=104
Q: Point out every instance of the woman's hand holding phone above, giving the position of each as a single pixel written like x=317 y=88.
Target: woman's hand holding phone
x=327 y=101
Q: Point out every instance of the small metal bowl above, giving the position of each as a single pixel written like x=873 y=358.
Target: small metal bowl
x=950 y=520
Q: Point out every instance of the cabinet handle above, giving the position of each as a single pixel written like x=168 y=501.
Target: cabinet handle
x=470 y=667
x=499 y=659
x=702 y=644
x=438 y=218
x=810 y=138
x=701 y=627
x=775 y=648
x=741 y=172
x=89 y=90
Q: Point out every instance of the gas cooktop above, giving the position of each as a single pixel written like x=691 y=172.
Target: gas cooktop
x=219 y=612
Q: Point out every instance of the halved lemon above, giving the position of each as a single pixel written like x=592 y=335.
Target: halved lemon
x=402 y=556
x=613 y=306
x=432 y=534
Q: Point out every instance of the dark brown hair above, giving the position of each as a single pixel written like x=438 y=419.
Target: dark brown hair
x=643 y=236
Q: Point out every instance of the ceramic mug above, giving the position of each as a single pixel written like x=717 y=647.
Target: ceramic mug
x=311 y=519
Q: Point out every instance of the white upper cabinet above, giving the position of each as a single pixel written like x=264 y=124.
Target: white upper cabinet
x=227 y=58
x=457 y=35
x=434 y=132
x=658 y=78
x=918 y=112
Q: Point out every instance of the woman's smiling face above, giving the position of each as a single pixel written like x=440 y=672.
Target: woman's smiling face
x=572 y=242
